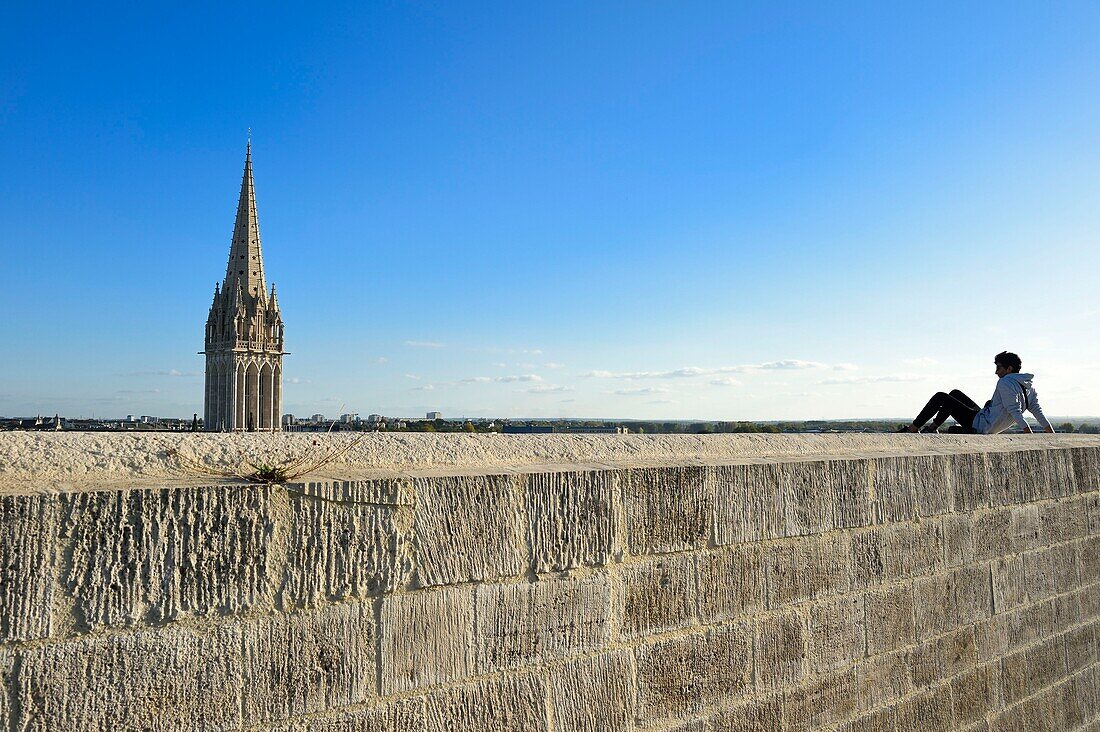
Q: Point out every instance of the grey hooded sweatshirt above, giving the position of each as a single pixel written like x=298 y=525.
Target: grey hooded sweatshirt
x=1013 y=396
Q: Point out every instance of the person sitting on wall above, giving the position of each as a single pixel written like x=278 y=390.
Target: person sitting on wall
x=1013 y=396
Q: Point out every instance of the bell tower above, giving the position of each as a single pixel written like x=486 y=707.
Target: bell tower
x=244 y=332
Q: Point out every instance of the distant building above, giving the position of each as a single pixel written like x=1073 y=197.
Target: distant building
x=435 y=415
x=244 y=332
x=374 y=418
x=349 y=418
x=288 y=419
x=317 y=418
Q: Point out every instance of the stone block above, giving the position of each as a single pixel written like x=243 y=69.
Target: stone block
x=942 y=657
x=346 y=540
x=748 y=503
x=763 y=715
x=934 y=611
x=809 y=499
x=970 y=477
x=656 y=595
x=731 y=583
x=852 y=482
x=1086 y=468
x=466 y=529
x=1038 y=575
x=823 y=702
x=1025 y=528
x=933 y=484
x=1065 y=566
x=889 y=618
x=681 y=676
x=162 y=679
x=1058 y=467
x=1063 y=520
x=958 y=539
x=1081 y=647
x=992 y=534
x=893 y=497
x=1092 y=507
x=1046 y=663
x=668 y=509
x=596 y=694
x=975 y=693
x=883 y=679
x=155 y=555
x=535 y=622
x=1090 y=560
x=893 y=552
x=1018 y=477
x=7 y=664
x=928 y=711
x=805 y=569
x=972 y=597
x=574 y=519
x=1009 y=590
x=780 y=650
x=400 y=716
x=426 y=638
x=837 y=632
x=880 y=720
x=28 y=529
x=508 y=704
x=306 y=663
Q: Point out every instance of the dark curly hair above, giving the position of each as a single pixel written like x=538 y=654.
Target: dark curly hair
x=1008 y=359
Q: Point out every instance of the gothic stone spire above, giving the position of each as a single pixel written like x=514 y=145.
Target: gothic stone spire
x=246 y=257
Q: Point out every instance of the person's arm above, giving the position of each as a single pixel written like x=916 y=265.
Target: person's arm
x=1034 y=408
x=1009 y=395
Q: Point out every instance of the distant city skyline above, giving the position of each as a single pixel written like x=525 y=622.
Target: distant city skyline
x=689 y=211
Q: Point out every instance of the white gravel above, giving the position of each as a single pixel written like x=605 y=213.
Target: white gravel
x=60 y=461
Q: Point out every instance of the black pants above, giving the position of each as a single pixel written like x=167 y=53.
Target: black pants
x=956 y=405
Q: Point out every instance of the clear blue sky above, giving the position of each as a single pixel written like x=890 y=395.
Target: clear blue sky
x=651 y=210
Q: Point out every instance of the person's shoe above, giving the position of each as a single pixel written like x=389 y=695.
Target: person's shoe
x=930 y=428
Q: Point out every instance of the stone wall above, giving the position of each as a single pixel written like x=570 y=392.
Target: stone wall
x=931 y=592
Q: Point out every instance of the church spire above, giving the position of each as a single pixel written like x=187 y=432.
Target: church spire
x=246 y=258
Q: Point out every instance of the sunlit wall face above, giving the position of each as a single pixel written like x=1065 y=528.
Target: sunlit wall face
x=684 y=211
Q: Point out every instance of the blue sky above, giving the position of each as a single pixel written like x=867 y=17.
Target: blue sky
x=638 y=210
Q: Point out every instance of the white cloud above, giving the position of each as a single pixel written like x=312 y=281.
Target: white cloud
x=688 y=372
x=873 y=379
x=296 y=380
x=477 y=380
x=642 y=391
x=547 y=389
x=725 y=381
x=379 y=359
x=553 y=365
x=424 y=344
x=845 y=367
x=661 y=401
x=921 y=362
x=414 y=377
x=520 y=377
x=426 y=387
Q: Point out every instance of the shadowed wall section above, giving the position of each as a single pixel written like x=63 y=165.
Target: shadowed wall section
x=938 y=592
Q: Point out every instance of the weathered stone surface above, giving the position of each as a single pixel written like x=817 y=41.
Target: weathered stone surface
x=535 y=622
x=573 y=519
x=1063 y=520
x=943 y=657
x=780 y=650
x=401 y=716
x=7 y=662
x=1092 y=503
x=896 y=551
x=510 y=704
x=809 y=502
x=884 y=678
x=1090 y=560
x=1086 y=467
x=668 y=509
x=595 y=694
x=971 y=479
x=426 y=638
x=466 y=529
x=765 y=715
x=824 y=701
x=880 y=720
x=346 y=540
x=958 y=539
x=682 y=675
x=304 y=663
x=749 y=503
x=731 y=583
x=974 y=693
x=806 y=568
x=837 y=632
x=889 y=618
x=28 y=527
x=154 y=555
x=893 y=495
x=928 y=711
x=656 y=595
x=852 y=482
x=163 y=679
x=1008 y=583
